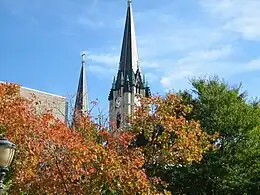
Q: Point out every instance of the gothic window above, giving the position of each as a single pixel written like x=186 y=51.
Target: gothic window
x=118 y=120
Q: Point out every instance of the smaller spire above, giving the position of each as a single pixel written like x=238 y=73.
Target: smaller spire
x=81 y=103
x=114 y=83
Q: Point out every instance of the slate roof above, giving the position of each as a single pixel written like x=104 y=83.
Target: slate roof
x=129 y=72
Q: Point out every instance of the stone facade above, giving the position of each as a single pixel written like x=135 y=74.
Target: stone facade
x=57 y=104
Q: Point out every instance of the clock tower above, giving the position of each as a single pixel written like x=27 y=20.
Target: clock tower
x=129 y=83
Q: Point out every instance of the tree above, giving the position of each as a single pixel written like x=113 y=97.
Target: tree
x=219 y=108
x=244 y=172
x=54 y=159
x=167 y=138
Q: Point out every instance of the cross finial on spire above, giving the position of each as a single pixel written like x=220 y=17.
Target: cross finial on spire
x=129 y=2
x=83 y=55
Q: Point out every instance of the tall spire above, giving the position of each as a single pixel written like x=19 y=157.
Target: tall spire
x=128 y=83
x=129 y=60
x=81 y=103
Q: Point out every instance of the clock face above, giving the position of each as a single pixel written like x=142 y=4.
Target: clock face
x=118 y=101
x=137 y=101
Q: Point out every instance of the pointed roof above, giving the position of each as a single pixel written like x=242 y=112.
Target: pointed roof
x=129 y=60
x=81 y=103
x=129 y=72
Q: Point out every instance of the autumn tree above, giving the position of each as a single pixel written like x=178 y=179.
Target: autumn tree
x=165 y=135
x=54 y=159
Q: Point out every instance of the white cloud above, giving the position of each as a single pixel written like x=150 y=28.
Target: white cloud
x=169 y=81
x=100 y=71
x=253 y=65
x=104 y=65
x=239 y=16
x=106 y=59
x=196 y=64
x=149 y=64
x=210 y=55
x=88 y=22
x=151 y=77
x=176 y=38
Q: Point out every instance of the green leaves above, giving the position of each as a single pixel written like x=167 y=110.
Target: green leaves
x=231 y=167
x=243 y=173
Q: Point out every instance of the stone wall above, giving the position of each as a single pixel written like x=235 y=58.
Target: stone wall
x=57 y=104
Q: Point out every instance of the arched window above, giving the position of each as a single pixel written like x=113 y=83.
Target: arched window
x=118 y=120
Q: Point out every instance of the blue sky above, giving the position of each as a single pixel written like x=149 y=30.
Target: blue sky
x=41 y=41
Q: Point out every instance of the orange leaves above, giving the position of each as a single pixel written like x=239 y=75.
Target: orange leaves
x=54 y=159
x=120 y=166
x=11 y=91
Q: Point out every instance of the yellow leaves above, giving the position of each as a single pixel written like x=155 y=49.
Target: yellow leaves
x=30 y=173
x=179 y=141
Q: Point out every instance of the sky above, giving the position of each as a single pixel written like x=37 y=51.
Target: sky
x=41 y=42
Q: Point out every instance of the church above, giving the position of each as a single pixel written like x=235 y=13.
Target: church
x=128 y=84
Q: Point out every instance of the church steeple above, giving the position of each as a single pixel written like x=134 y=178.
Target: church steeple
x=81 y=103
x=129 y=60
x=128 y=83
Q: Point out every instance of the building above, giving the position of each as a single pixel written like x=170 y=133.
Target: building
x=57 y=104
x=129 y=82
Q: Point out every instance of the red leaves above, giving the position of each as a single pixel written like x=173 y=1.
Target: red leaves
x=52 y=158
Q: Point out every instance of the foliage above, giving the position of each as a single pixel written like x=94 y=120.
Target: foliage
x=224 y=109
x=54 y=159
x=171 y=139
x=88 y=159
x=166 y=136
x=244 y=173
